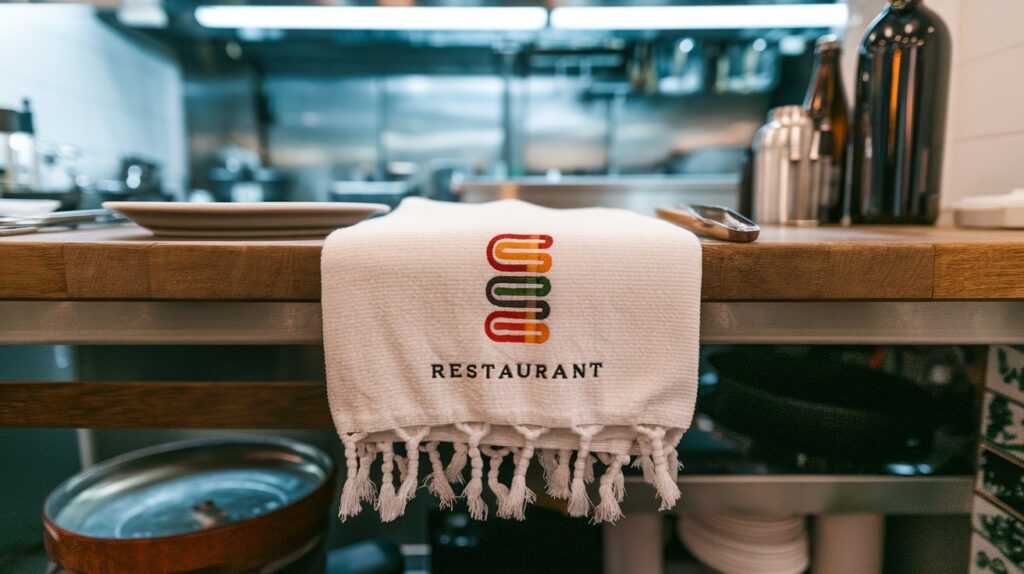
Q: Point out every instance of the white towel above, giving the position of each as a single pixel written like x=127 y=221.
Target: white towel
x=507 y=328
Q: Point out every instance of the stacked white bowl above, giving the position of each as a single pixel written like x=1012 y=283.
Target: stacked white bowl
x=747 y=544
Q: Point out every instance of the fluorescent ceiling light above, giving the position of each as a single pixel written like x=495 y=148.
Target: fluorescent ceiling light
x=372 y=17
x=699 y=17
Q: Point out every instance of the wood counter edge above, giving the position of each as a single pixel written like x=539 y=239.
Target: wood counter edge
x=912 y=270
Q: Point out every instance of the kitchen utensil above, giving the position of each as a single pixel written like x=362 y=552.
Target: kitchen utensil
x=243 y=505
x=712 y=221
x=6 y=231
x=244 y=219
x=65 y=218
x=787 y=168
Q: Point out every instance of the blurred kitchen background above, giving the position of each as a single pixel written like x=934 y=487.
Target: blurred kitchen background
x=141 y=100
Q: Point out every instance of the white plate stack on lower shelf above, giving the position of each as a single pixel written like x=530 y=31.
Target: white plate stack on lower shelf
x=747 y=544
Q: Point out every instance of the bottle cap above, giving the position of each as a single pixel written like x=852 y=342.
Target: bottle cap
x=902 y=5
x=827 y=42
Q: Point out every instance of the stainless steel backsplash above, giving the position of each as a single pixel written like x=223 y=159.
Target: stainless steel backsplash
x=321 y=129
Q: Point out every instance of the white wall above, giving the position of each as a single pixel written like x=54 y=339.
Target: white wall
x=988 y=120
x=93 y=88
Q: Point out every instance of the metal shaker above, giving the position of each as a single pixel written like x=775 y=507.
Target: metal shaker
x=788 y=168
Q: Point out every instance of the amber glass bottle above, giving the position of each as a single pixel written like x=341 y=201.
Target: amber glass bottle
x=900 y=116
x=826 y=101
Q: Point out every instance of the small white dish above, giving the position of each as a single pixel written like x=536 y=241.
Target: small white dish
x=27 y=207
x=991 y=211
x=238 y=220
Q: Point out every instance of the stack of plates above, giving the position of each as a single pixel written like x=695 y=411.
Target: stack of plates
x=741 y=544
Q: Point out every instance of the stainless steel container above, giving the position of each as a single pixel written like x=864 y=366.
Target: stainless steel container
x=225 y=506
x=787 y=168
x=19 y=162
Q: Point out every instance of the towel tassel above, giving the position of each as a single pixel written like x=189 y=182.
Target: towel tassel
x=671 y=440
x=558 y=485
x=364 y=486
x=437 y=481
x=350 y=494
x=410 y=479
x=548 y=459
x=644 y=461
x=579 y=502
x=608 y=509
x=519 y=495
x=588 y=472
x=496 y=455
x=458 y=462
x=387 y=499
x=668 y=489
x=475 y=487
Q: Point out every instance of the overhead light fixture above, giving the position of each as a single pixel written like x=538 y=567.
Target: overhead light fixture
x=373 y=17
x=700 y=17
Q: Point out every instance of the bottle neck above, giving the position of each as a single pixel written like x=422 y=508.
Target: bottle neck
x=902 y=6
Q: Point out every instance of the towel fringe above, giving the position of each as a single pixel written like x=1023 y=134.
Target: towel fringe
x=548 y=459
x=668 y=489
x=608 y=509
x=408 y=467
x=558 y=485
x=437 y=481
x=387 y=499
x=350 y=504
x=519 y=495
x=364 y=486
x=495 y=456
x=579 y=502
x=475 y=487
x=566 y=476
x=644 y=461
x=457 y=463
x=618 y=480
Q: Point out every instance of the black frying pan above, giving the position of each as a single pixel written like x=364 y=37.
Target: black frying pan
x=825 y=408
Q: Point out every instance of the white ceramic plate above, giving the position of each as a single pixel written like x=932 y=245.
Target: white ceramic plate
x=27 y=207
x=278 y=219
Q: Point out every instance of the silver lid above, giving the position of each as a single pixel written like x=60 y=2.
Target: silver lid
x=187 y=487
x=787 y=115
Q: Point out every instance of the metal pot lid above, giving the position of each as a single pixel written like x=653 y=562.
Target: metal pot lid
x=187 y=487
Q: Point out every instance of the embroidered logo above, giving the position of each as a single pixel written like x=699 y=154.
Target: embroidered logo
x=520 y=296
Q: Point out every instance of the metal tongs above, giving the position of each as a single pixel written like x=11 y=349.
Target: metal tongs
x=31 y=224
x=712 y=221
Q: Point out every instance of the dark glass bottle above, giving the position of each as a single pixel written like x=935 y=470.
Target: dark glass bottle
x=900 y=116
x=826 y=101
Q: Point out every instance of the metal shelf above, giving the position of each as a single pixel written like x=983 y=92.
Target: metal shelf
x=812 y=494
x=299 y=323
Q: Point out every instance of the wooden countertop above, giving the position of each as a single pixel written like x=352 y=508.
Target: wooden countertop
x=809 y=264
